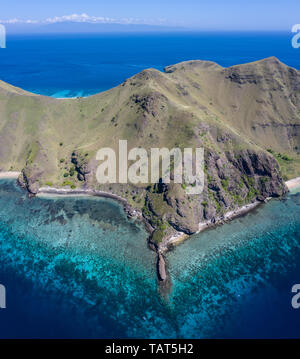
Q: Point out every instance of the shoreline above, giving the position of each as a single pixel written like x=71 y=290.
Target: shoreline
x=9 y=174
x=179 y=237
x=132 y=213
x=293 y=183
x=173 y=240
x=70 y=98
x=48 y=192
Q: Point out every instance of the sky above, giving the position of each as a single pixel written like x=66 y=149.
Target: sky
x=197 y=14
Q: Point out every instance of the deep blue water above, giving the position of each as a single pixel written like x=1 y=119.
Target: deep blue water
x=77 y=268
x=81 y=65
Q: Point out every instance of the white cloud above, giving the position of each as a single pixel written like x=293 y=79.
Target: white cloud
x=86 y=19
x=15 y=21
x=80 y=18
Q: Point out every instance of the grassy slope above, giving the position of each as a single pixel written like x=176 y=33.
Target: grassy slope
x=193 y=103
x=259 y=101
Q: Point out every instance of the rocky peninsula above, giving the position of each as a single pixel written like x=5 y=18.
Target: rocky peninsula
x=245 y=117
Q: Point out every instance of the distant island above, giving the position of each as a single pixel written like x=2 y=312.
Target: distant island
x=70 y=27
x=246 y=117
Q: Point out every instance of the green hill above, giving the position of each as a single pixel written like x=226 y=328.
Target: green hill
x=247 y=117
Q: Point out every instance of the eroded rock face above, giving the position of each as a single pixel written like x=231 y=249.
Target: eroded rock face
x=150 y=104
x=81 y=165
x=263 y=169
x=28 y=179
x=231 y=181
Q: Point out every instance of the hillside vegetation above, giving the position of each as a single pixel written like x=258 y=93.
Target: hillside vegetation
x=247 y=117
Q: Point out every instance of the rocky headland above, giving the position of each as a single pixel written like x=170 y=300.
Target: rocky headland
x=246 y=118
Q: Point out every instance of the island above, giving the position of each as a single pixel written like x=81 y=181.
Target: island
x=246 y=117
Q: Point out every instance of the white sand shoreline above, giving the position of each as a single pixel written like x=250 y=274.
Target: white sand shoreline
x=177 y=237
x=52 y=192
x=293 y=183
x=9 y=174
x=181 y=236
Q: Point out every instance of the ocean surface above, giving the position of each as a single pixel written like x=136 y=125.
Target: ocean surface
x=77 y=268
x=81 y=65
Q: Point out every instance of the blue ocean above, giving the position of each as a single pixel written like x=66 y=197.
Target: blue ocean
x=82 y=65
x=76 y=267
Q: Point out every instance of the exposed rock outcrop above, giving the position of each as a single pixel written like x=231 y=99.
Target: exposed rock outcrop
x=161 y=267
x=81 y=165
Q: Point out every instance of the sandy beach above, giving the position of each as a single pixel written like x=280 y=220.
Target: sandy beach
x=4 y=175
x=293 y=183
x=66 y=192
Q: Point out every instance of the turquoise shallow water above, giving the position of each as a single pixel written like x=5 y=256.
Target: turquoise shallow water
x=76 y=267
x=235 y=280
